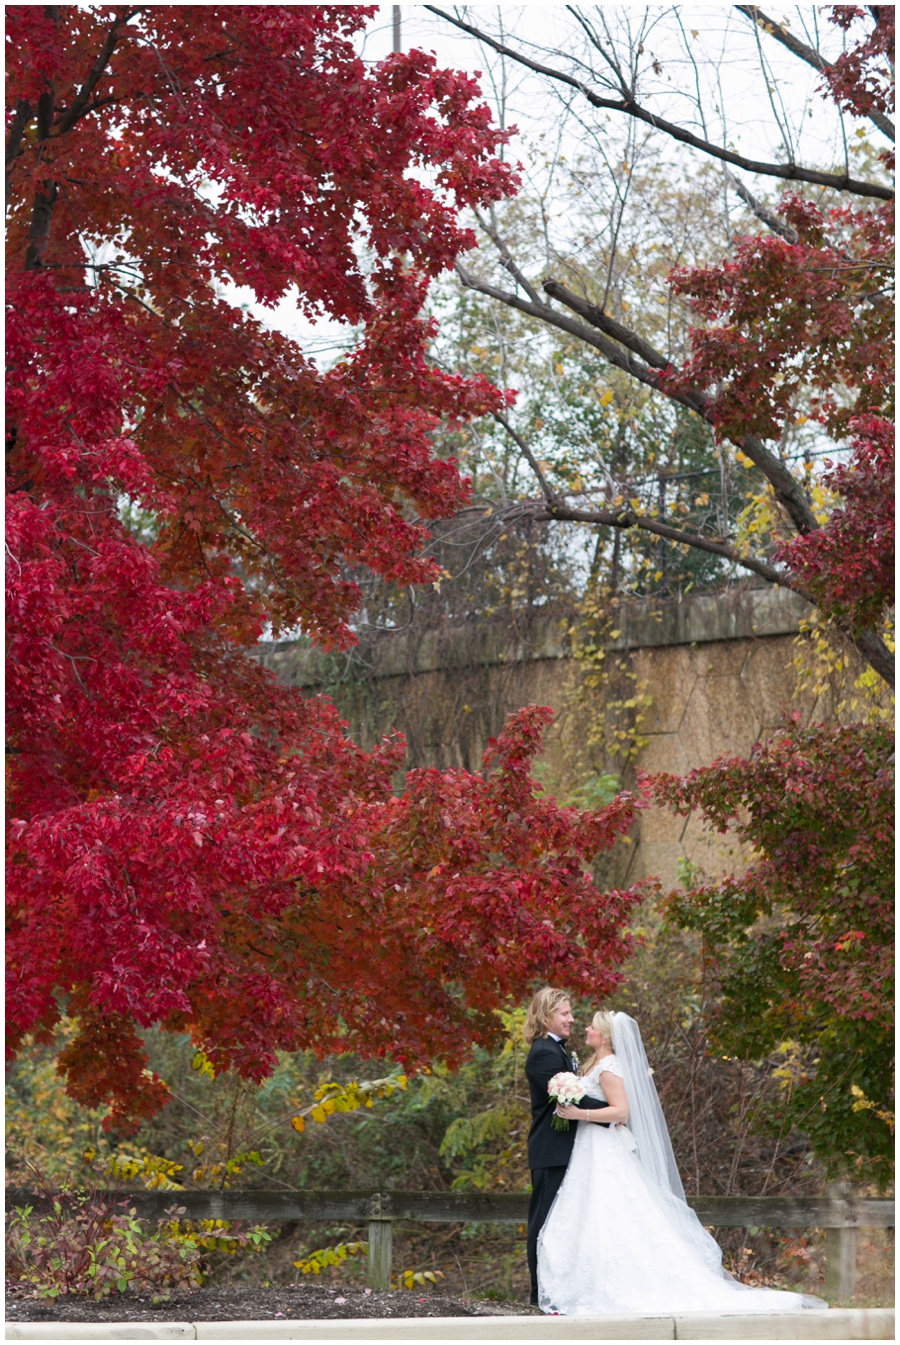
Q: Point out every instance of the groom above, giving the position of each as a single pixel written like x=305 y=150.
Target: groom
x=547 y=1026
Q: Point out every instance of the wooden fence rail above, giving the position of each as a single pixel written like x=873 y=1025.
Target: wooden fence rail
x=841 y=1213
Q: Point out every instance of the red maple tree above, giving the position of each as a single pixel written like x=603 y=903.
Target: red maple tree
x=190 y=843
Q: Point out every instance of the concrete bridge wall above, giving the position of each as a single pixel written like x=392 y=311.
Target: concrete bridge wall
x=718 y=670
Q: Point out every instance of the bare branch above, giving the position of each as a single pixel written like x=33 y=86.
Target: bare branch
x=762 y=212
x=627 y=518
x=506 y=257
x=620 y=358
x=789 y=172
x=549 y=493
x=808 y=54
x=597 y=318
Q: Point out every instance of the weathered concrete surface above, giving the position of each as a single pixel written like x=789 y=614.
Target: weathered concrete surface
x=832 y=1324
x=718 y=670
x=742 y=614
x=51 y=1332
x=451 y=1328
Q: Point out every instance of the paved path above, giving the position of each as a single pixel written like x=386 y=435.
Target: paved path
x=831 y=1324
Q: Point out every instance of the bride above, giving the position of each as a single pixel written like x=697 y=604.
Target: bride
x=620 y=1236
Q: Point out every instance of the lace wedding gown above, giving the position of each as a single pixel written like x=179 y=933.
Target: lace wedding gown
x=616 y=1241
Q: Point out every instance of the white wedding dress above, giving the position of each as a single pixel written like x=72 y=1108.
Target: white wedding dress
x=618 y=1241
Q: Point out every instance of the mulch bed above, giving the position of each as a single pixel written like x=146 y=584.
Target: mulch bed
x=230 y=1303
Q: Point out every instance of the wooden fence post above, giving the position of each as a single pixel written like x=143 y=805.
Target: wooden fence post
x=840 y=1245
x=381 y=1244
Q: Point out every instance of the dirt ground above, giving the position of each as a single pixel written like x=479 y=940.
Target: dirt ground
x=482 y=1274
x=231 y=1302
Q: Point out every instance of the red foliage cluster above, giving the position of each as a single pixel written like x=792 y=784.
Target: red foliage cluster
x=793 y=320
x=861 y=80
x=190 y=843
x=847 y=567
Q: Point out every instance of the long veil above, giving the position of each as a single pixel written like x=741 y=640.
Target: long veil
x=645 y=1114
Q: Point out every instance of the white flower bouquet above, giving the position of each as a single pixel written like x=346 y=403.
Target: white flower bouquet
x=564 y=1089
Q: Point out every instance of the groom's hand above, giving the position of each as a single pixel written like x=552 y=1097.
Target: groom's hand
x=592 y=1104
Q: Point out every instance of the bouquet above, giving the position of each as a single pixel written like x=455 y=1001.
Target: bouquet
x=564 y=1089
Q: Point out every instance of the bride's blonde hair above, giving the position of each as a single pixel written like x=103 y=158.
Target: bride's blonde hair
x=602 y=1021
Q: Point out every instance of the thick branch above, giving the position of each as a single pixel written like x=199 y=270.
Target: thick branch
x=46 y=196
x=808 y=54
x=22 y=116
x=873 y=648
x=620 y=358
x=41 y=218
x=789 y=172
x=597 y=318
x=561 y=512
x=80 y=103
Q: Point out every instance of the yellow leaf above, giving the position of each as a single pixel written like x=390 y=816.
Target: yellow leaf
x=319 y=1114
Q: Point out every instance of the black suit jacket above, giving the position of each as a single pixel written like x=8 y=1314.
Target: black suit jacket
x=547 y=1147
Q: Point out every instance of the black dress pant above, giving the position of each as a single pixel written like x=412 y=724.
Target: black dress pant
x=545 y=1182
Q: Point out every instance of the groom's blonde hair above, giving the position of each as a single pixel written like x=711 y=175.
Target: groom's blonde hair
x=541 y=1010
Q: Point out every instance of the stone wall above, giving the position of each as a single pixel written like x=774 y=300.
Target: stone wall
x=719 y=674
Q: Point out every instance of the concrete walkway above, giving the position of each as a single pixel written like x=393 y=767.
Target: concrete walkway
x=831 y=1324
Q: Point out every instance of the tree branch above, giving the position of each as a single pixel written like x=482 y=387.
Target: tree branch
x=80 y=103
x=558 y=511
x=808 y=54
x=620 y=358
x=597 y=318
x=548 y=492
x=22 y=116
x=46 y=196
x=789 y=172
x=506 y=258
x=762 y=212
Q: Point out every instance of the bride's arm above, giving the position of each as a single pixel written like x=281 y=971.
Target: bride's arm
x=617 y=1109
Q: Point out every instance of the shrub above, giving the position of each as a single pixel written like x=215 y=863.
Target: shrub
x=93 y=1245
